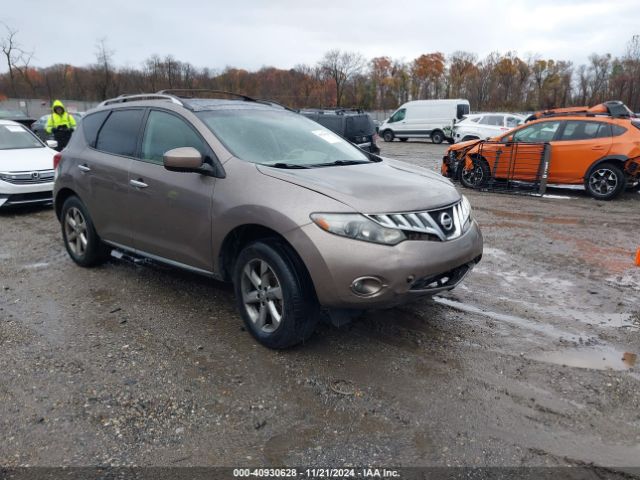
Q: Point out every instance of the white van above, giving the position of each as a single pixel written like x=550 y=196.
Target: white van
x=424 y=119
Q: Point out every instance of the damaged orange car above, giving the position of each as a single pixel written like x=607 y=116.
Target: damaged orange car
x=597 y=147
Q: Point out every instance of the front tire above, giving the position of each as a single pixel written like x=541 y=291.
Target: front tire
x=387 y=136
x=437 y=137
x=605 y=182
x=274 y=295
x=79 y=235
x=476 y=177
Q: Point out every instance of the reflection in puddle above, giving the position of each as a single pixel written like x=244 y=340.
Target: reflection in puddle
x=593 y=358
x=543 y=328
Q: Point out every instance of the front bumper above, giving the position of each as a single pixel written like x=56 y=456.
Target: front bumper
x=409 y=270
x=11 y=194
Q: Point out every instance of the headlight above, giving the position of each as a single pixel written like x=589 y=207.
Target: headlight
x=465 y=206
x=358 y=227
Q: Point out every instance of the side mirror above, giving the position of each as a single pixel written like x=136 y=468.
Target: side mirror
x=508 y=139
x=183 y=159
x=52 y=144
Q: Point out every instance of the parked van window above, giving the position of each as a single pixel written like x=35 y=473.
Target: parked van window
x=399 y=115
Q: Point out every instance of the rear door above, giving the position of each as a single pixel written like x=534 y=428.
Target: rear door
x=579 y=145
x=103 y=170
x=171 y=211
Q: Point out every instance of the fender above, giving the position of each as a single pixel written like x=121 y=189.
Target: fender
x=608 y=158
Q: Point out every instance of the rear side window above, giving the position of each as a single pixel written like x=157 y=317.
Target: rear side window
x=91 y=126
x=513 y=122
x=618 y=130
x=119 y=134
x=580 y=130
x=462 y=110
x=493 y=120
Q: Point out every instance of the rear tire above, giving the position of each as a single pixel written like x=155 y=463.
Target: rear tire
x=387 y=136
x=79 y=235
x=478 y=176
x=437 y=137
x=275 y=295
x=605 y=182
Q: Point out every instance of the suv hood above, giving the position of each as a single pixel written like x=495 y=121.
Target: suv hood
x=384 y=187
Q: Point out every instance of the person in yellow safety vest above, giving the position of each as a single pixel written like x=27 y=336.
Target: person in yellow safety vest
x=61 y=124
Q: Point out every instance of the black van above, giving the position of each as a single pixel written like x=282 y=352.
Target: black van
x=353 y=124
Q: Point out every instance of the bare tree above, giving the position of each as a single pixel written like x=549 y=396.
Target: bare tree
x=341 y=67
x=14 y=54
x=104 y=69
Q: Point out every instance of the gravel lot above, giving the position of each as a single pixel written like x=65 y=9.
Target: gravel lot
x=532 y=361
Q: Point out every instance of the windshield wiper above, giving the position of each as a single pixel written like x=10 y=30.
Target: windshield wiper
x=286 y=165
x=339 y=162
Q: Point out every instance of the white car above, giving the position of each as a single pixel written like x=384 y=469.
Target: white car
x=26 y=166
x=485 y=125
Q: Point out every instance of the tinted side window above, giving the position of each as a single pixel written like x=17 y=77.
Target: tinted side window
x=462 y=110
x=119 y=134
x=580 y=130
x=165 y=132
x=91 y=126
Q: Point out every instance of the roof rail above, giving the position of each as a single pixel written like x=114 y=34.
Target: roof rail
x=612 y=108
x=176 y=92
x=140 y=96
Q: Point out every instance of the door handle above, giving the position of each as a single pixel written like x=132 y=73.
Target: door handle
x=597 y=147
x=138 y=183
x=84 y=168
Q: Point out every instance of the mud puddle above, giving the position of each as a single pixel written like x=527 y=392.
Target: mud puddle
x=542 y=328
x=600 y=358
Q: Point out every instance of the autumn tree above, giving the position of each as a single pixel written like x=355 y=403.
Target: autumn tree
x=427 y=72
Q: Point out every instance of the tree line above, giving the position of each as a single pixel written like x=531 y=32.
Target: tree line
x=499 y=81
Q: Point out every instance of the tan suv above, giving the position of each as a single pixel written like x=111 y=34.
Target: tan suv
x=301 y=221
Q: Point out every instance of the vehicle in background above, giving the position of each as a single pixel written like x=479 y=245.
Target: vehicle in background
x=424 y=119
x=597 y=147
x=26 y=166
x=354 y=125
x=485 y=125
x=300 y=220
x=39 y=126
x=16 y=116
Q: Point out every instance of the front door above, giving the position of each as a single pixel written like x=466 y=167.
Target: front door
x=171 y=211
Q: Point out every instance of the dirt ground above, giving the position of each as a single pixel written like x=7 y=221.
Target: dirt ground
x=532 y=361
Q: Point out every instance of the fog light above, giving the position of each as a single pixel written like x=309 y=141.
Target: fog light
x=366 y=286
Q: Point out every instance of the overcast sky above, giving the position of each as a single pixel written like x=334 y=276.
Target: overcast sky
x=250 y=34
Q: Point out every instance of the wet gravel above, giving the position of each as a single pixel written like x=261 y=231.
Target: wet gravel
x=532 y=361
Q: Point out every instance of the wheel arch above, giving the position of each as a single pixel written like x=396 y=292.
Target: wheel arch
x=618 y=160
x=61 y=197
x=243 y=235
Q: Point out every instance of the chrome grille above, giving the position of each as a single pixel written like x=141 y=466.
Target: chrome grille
x=446 y=223
x=28 y=178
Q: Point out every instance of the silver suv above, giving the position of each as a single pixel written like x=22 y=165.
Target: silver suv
x=301 y=221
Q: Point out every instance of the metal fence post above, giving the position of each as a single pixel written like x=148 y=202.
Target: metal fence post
x=544 y=170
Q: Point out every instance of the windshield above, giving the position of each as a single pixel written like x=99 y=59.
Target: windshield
x=280 y=138
x=17 y=136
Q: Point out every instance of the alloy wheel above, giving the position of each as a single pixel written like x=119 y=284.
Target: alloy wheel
x=603 y=181
x=473 y=176
x=262 y=295
x=75 y=228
